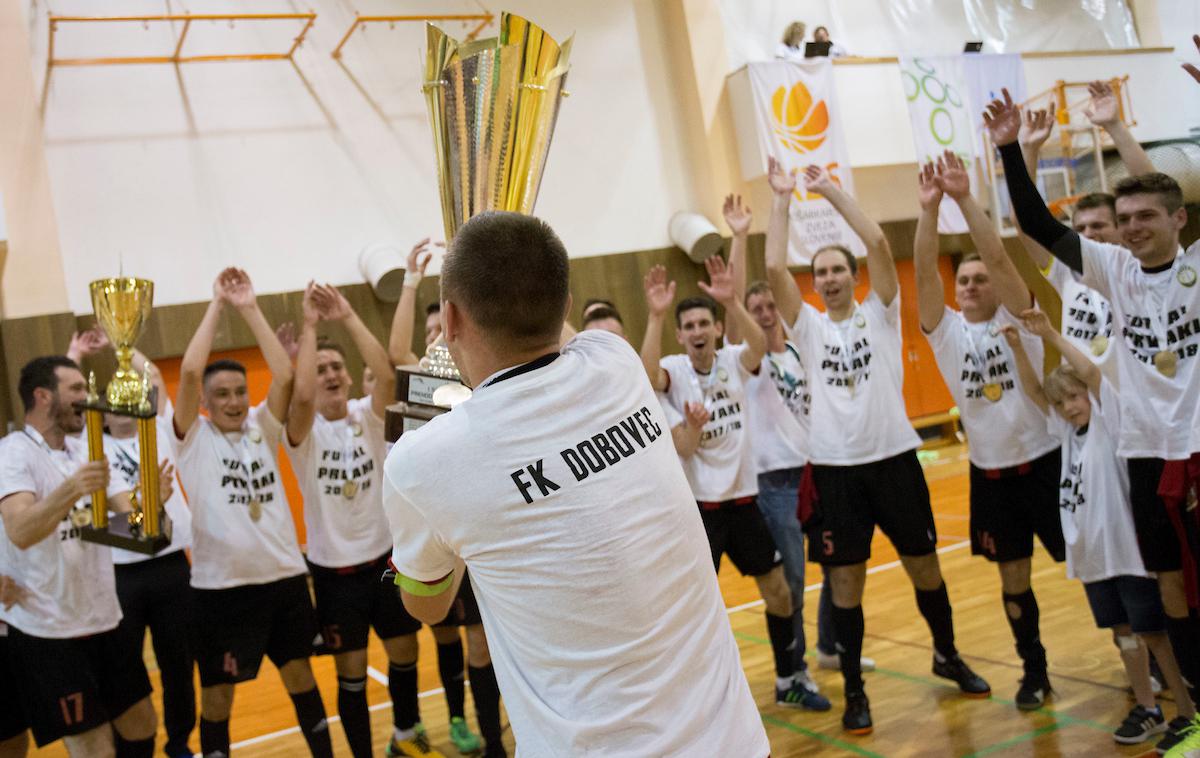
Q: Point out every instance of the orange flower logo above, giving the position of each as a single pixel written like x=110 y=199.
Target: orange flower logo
x=799 y=122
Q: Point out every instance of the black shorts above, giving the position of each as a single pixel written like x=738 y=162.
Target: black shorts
x=12 y=705
x=740 y=531
x=1009 y=506
x=1157 y=540
x=1132 y=600
x=71 y=686
x=352 y=601
x=236 y=626
x=464 y=611
x=852 y=500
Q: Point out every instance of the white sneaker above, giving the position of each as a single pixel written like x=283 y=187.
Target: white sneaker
x=833 y=663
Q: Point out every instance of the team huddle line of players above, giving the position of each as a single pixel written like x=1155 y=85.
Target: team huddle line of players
x=794 y=429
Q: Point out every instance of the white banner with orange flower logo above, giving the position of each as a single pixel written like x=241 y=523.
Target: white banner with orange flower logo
x=798 y=124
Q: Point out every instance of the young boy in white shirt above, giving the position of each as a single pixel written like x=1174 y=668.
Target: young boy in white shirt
x=1102 y=549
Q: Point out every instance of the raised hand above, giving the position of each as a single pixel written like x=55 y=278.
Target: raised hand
x=695 y=414
x=660 y=293
x=952 y=176
x=1037 y=322
x=720 y=280
x=286 y=334
x=90 y=477
x=1036 y=126
x=419 y=256
x=929 y=193
x=782 y=182
x=237 y=288
x=331 y=303
x=1104 y=109
x=817 y=179
x=1012 y=335
x=1002 y=117
x=737 y=215
x=310 y=307
x=88 y=342
x=1188 y=67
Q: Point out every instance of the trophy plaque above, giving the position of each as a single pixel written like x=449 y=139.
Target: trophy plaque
x=122 y=305
x=493 y=104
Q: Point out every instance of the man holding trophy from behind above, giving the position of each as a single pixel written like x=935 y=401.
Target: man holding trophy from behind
x=556 y=482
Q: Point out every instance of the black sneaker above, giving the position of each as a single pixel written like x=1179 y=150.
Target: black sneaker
x=1033 y=691
x=956 y=670
x=857 y=718
x=1173 y=734
x=1140 y=725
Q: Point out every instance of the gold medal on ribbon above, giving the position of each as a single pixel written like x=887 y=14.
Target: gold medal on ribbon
x=1186 y=276
x=350 y=489
x=860 y=320
x=356 y=429
x=993 y=391
x=1166 y=361
x=255 y=509
x=81 y=517
x=1099 y=345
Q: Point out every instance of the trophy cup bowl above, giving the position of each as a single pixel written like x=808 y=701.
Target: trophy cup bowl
x=493 y=104
x=122 y=305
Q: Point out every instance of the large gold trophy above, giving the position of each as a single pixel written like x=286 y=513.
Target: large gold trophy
x=122 y=305
x=492 y=105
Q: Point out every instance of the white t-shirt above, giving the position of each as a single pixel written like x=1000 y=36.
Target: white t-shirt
x=561 y=490
x=343 y=510
x=1094 y=496
x=722 y=468
x=225 y=475
x=1004 y=427
x=779 y=402
x=70 y=583
x=1152 y=313
x=124 y=455
x=1087 y=320
x=856 y=379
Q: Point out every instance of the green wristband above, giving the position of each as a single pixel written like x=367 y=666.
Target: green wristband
x=424 y=589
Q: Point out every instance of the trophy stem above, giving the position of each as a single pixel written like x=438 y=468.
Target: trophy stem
x=95 y=442
x=148 y=447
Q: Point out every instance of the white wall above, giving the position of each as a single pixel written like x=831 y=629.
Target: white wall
x=290 y=171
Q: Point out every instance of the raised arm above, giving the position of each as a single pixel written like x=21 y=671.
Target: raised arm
x=1105 y=112
x=85 y=343
x=686 y=436
x=1188 y=67
x=783 y=285
x=239 y=291
x=334 y=306
x=660 y=293
x=738 y=217
x=400 y=341
x=302 y=408
x=1003 y=121
x=953 y=179
x=1035 y=130
x=195 y=358
x=1038 y=323
x=1030 y=381
x=884 y=280
x=720 y=288
x=931 y=297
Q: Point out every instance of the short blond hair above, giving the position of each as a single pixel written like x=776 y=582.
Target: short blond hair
x=794 y=34
x=1062 y=381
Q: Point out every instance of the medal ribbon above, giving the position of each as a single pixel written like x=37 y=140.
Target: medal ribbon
x=840 y=334
x=242 y=454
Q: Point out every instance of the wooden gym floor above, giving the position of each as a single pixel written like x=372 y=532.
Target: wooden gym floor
x=915 y=713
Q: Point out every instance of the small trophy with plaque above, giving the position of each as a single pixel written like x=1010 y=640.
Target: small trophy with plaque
x=122 y=305
x=493 y=104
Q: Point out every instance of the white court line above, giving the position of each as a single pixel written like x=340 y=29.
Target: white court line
x=379 y=677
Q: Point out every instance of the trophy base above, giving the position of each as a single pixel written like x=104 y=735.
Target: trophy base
x=120 y=534
x=406 y=417
x=132 y=411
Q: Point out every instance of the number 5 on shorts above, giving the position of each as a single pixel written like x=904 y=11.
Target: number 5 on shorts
x=827 y=542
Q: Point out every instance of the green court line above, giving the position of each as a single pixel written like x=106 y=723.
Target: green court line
x=1047 y=729
x=832 y=741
